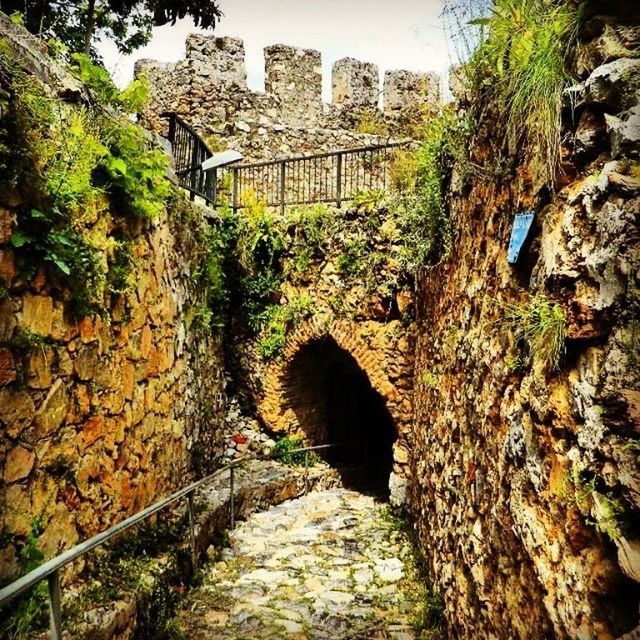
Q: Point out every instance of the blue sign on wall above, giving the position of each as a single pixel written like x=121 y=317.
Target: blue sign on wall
x=521 y=227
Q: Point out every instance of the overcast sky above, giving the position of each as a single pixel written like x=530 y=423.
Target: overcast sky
x=394 y=34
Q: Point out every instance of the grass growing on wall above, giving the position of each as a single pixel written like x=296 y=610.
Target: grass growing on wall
x=422 y=176
x=540 y=324
x=520 y=67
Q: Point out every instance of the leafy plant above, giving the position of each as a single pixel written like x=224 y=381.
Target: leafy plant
x=368 y=201
x=422 y=178
x=261 y=240
x=520 y=67
x=284 y=451
x=430 y=380
x=74 y=162
x=278 y=319
x=541 y=324
x=30 y=611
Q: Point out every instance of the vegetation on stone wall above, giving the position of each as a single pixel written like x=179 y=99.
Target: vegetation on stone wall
x=71 y=168
x=520 y=68
x=422 y=179
x=540 y=325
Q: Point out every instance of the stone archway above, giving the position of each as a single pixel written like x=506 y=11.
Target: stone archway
x=374 y=361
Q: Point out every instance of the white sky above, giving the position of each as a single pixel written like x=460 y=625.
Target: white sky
x=394 y=34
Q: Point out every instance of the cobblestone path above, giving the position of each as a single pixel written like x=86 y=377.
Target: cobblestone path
x=331 y=565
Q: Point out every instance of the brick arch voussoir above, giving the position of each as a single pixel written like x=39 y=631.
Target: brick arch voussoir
x=273 y=406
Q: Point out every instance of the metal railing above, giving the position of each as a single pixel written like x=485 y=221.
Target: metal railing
x=51 y=569
x=335 y=176
x=189 y=152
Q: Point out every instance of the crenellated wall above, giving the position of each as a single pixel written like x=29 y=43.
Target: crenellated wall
x=208 y=89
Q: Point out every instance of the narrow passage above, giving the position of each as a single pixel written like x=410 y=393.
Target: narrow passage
x=330 y=565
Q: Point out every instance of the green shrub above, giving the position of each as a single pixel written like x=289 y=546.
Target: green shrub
x=73 y=161
x=261 y=239
x=278 y=319
x=422 y=177
x=520 y=67
x=541 y=324
x=284 y=451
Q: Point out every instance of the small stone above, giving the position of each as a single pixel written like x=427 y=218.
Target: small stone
x=36 y=314
x=18 y=464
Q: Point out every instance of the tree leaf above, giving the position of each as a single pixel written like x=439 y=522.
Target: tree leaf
x=20 y=238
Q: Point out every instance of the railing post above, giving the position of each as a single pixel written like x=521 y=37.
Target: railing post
x=232 y=515
x=306 y=472
x=192 y=531
x=339 y=181
x=172 y=128
x=282 y=186
x=235 y=189
x=55 y=617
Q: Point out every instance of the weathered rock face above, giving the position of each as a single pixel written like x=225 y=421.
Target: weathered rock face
x=526 y=482
x=208 y=89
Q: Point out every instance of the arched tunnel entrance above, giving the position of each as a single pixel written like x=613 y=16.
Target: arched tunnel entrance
x=334 y=402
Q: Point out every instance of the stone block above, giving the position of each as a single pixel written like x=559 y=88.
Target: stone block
x=17 y=510
x=18 y=464
x=53 y=410
x=355 y=84
x=17 y=411
x=7 y=265
x=7 y=367
x=39 y=370
x=87 y=363
x=59 y=534
x=7 y=223
x=37 y=314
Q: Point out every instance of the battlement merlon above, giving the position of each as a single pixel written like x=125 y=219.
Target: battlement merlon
x=355 y=84
x=407 y=89
x=294 y=75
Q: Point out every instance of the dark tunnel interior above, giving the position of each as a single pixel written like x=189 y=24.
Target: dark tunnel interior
x=335 y=403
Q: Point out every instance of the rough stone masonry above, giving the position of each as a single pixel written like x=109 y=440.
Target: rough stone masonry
x=208 y=89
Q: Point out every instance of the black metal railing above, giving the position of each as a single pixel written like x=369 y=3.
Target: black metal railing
x=189 y=152
x=335 y=176
x=51 y=569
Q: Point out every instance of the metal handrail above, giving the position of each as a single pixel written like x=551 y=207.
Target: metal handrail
x=326 y=154
x=50 y=570
x=331 y=176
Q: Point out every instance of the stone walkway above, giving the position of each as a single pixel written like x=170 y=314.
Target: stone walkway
x=331 y=565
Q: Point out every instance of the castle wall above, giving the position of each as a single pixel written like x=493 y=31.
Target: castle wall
x=208 y=90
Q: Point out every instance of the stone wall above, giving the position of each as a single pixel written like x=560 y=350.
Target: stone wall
x=526 y=481
x=208 y=89
x=100 y=415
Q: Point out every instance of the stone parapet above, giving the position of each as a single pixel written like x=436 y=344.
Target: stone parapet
x=209 y=90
